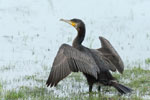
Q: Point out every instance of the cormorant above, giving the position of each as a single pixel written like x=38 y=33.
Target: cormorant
x=95 y=64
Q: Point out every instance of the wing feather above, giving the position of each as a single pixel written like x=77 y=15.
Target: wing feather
x=102 y=62
x=111 y=55
x=69 y=59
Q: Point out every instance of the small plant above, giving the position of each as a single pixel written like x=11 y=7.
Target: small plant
x=147 y=61
x=1 y=90
x=13 y=95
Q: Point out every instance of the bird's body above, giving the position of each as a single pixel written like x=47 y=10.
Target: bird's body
x=95 y=64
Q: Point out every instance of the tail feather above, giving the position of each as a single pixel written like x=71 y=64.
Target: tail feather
x=122 y=89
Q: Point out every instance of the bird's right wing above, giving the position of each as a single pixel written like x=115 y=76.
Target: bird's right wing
x=69 y=59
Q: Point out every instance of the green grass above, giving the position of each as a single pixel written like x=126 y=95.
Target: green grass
x=13 y=95
x=139 y=80
x=7 y=68
x=27 y=77
x=147 y=61
x=135 y=78
x=1 y=90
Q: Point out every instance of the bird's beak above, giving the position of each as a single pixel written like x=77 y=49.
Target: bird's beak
x=69 y=22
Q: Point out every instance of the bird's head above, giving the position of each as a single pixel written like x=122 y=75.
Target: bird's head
x=76 y=23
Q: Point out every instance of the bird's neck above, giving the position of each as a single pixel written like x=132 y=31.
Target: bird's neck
x=79 y=38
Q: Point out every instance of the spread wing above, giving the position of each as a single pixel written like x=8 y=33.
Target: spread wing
x=111 y=54
x=69 y=59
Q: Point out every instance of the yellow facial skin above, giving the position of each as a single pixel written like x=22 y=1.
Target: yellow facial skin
x=73 y=24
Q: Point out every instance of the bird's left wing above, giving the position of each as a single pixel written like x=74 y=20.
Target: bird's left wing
x=111 y=54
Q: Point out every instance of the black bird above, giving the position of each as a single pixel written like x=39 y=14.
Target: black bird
x=95 y=64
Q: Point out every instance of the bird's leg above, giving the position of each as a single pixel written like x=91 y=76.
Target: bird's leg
x=90 y=88
x=99 y=88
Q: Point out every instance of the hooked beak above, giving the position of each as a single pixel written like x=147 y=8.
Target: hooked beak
x=69 y=22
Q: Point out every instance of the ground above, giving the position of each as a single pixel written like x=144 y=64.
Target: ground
x=75 y=87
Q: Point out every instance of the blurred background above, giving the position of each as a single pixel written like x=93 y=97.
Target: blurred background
x=31 y=33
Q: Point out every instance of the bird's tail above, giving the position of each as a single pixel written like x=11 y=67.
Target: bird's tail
x=121 y=88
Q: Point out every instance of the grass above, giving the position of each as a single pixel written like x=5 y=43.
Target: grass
x=71 y=88
x=13 y=95
x=0 y=90
x=147 y=61
x=138 y=80
x=29 y=77
x=7 y=68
